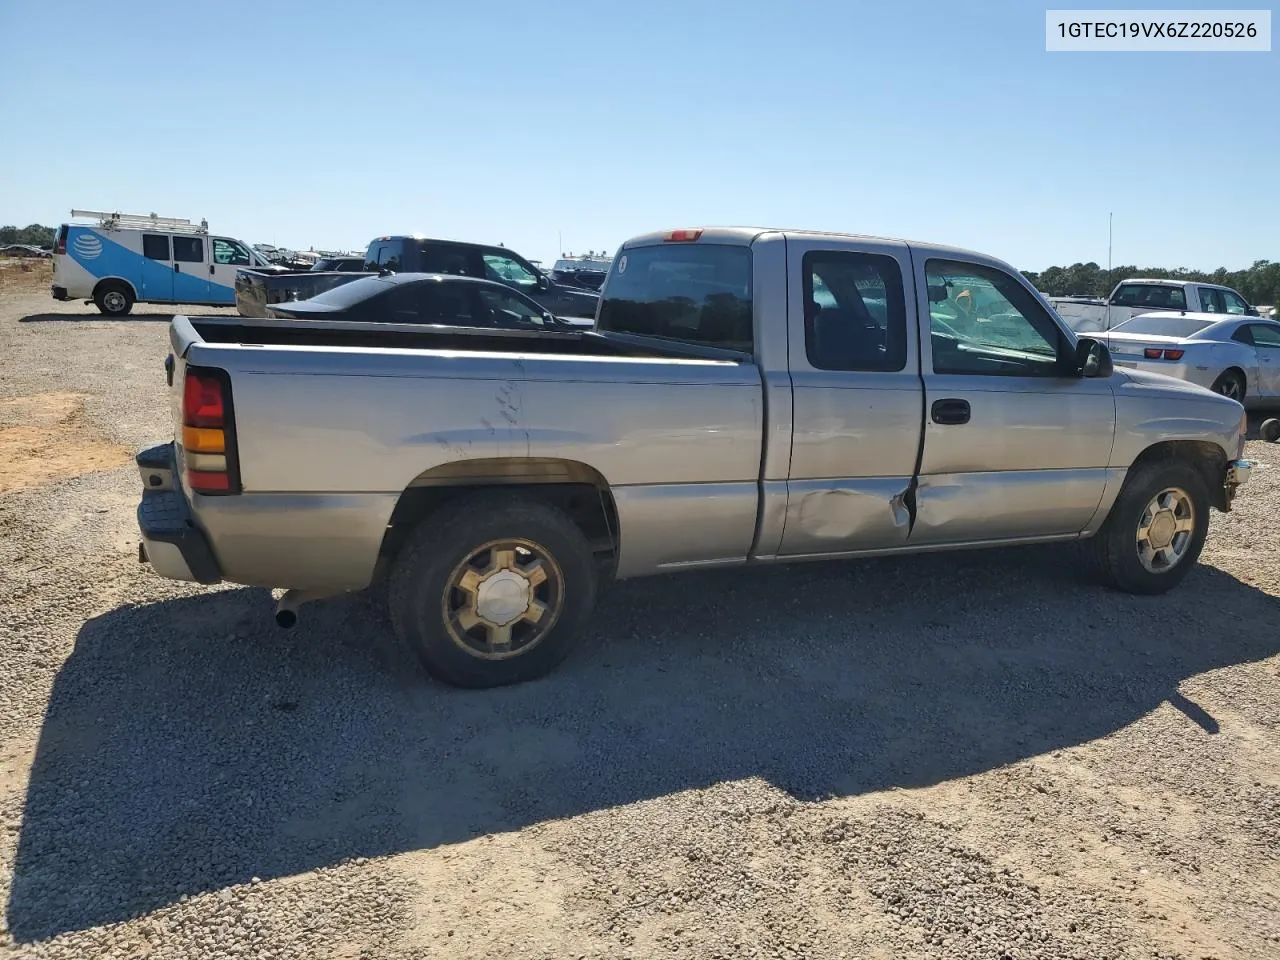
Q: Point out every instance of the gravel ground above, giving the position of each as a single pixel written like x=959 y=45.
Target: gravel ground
x=972 y=756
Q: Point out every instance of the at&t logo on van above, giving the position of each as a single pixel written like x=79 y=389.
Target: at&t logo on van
x=88 y=246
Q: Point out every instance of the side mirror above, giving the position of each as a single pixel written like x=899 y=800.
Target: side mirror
x=1093 y=358
x=937 y=293
x=543 y=283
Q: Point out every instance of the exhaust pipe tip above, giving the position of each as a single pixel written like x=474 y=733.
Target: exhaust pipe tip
x=286 y=619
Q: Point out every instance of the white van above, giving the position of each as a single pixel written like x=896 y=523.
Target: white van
x=122 y=259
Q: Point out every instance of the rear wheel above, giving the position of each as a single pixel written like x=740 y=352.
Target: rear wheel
x=1270 y=430
x=113 y=298
x=1155 y=531
x=1230 y=384
x=492 y=590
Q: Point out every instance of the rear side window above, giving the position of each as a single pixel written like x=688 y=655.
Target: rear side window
x=1150 y=296
x=855 y=312
x=439 y=258
x=155 y=246
x=695 y=292
x=188 y=249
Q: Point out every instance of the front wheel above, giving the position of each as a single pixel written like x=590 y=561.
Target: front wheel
x=492 y=590
x=1155 y=531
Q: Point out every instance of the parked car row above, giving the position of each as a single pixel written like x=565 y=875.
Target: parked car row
x=744 y=396
x=116 y=260
x=257 y=290
x=1137 y=295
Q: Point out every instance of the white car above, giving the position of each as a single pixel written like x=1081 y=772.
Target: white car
x=1236 y=356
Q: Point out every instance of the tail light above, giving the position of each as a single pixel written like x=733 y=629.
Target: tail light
x=1155 y=353
x=60 y=244
x=208 y=432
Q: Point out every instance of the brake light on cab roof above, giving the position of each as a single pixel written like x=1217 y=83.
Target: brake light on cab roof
x=683 y=236
x=207 y=459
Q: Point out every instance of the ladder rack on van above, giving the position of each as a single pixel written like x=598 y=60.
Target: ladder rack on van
x=142 y=221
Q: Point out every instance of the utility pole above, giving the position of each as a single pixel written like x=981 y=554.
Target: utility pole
x=1108 y=244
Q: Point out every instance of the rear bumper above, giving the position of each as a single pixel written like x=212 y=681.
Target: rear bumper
x=171 y=542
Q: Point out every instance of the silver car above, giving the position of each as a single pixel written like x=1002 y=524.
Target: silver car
x=1236 y=356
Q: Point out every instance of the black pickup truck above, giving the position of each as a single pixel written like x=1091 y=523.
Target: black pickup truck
x=258 y=289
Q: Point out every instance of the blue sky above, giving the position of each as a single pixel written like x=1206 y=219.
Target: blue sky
x=326 y=123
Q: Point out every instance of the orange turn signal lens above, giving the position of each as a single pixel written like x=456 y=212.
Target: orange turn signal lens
x=204 y=440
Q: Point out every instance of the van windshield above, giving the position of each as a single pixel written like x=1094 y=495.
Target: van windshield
x=693 y=292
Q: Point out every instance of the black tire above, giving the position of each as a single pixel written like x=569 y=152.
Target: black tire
x=1270 y=430
x=424 y=579
x=1113 y=553
x=113 y=298
x=1230 y=384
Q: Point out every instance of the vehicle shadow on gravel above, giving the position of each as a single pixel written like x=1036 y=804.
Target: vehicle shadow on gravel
x=190 y=745
x=97 y=317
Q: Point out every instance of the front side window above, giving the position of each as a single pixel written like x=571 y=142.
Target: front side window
x=1233 y=304
x=188 y=249
x=505 y=270
x=692 y=292
x=982 y=321
x=155 y=246
x=229 y=252
x=855 y=312
x=1266 y=335
x=507 y=310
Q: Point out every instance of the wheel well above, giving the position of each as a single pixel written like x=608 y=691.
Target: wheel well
x=577 y=489
x=114 y=282
x=1244 y=377
x=1207 y=458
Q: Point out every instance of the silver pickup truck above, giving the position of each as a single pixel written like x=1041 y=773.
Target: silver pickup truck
x=745 y=397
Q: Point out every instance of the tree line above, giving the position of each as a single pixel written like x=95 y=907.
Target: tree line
x=33 y=235
x=1258 y=284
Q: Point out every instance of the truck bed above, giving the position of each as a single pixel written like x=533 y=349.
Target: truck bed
x=404 y=336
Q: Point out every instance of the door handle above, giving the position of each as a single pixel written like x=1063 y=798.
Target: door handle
x=211 y=269
x=177 y=268
x=950 y=411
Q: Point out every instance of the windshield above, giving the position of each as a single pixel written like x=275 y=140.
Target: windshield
x=349 y=294
x=695 y=292
x=1162 y=326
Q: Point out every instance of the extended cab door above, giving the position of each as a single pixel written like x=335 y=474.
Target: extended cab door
x=157 y=269
x=1014 y=445
x=857 y=397
x=190 y=269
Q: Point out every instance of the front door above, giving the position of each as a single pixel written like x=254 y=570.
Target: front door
x=1014 y=445
x=190 y=269
x=228 y=257
x=1266 y=340
x=157 y=269
x=856 y=397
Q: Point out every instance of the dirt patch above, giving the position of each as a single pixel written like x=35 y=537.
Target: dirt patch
x=45 y=437
x=24 y=275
